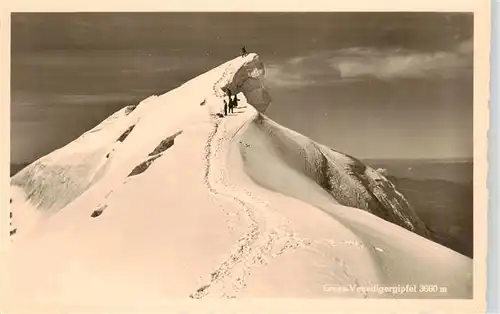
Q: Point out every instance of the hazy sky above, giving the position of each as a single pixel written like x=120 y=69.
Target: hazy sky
x=373 y=85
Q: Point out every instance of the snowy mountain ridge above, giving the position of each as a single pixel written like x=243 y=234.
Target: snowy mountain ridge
x=169 y=199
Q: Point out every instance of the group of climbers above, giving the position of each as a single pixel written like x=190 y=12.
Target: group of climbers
x=230 y=103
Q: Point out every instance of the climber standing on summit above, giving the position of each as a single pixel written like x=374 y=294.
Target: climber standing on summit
x=244 y=52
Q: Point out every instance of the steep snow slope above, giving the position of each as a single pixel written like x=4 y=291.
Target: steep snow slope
x=350 y=182
x=160 y=201
x=401 y=256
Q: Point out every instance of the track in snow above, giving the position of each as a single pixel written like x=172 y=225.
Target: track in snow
x=268 y=234
x=255 y=246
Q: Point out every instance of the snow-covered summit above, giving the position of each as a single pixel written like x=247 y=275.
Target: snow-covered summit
x=169 y=199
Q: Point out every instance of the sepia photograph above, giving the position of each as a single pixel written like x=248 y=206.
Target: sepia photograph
x=240 y=155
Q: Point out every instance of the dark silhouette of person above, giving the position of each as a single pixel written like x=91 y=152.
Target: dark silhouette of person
x=227 y=103
x=231 y=105
x=244 y=51
x=235 y=101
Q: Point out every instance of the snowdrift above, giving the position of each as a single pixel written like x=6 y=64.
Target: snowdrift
x=171 y=199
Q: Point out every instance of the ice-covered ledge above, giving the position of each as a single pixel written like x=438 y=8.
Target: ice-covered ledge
x=245 y=75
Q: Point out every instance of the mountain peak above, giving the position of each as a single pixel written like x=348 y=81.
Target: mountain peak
x=172 y=198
